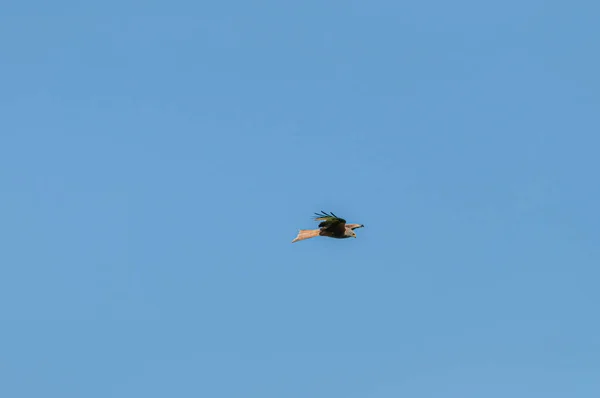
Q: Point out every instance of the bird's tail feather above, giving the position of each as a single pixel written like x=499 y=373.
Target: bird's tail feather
x=306 y=234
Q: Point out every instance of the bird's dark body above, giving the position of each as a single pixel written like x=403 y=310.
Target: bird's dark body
x=333 y=234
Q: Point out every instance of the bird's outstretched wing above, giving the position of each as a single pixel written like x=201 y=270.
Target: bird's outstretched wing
x=331 y=222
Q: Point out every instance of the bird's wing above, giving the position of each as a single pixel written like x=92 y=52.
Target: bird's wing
x=331 y=222
x=354 y=226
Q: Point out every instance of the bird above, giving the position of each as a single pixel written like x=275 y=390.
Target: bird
x=331 y=226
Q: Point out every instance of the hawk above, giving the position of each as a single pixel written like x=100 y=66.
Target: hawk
x=331 y=226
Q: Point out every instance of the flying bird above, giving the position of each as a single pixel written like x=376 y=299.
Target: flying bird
x=331 y=226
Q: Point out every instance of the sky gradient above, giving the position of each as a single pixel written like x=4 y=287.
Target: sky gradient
x=157 y=159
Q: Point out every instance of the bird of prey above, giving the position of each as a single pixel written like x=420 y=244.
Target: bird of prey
x=331 y=226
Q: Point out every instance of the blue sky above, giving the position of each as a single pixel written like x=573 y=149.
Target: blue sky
x=156 y=160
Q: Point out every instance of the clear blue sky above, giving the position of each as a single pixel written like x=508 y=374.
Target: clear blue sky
x=157 y=159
